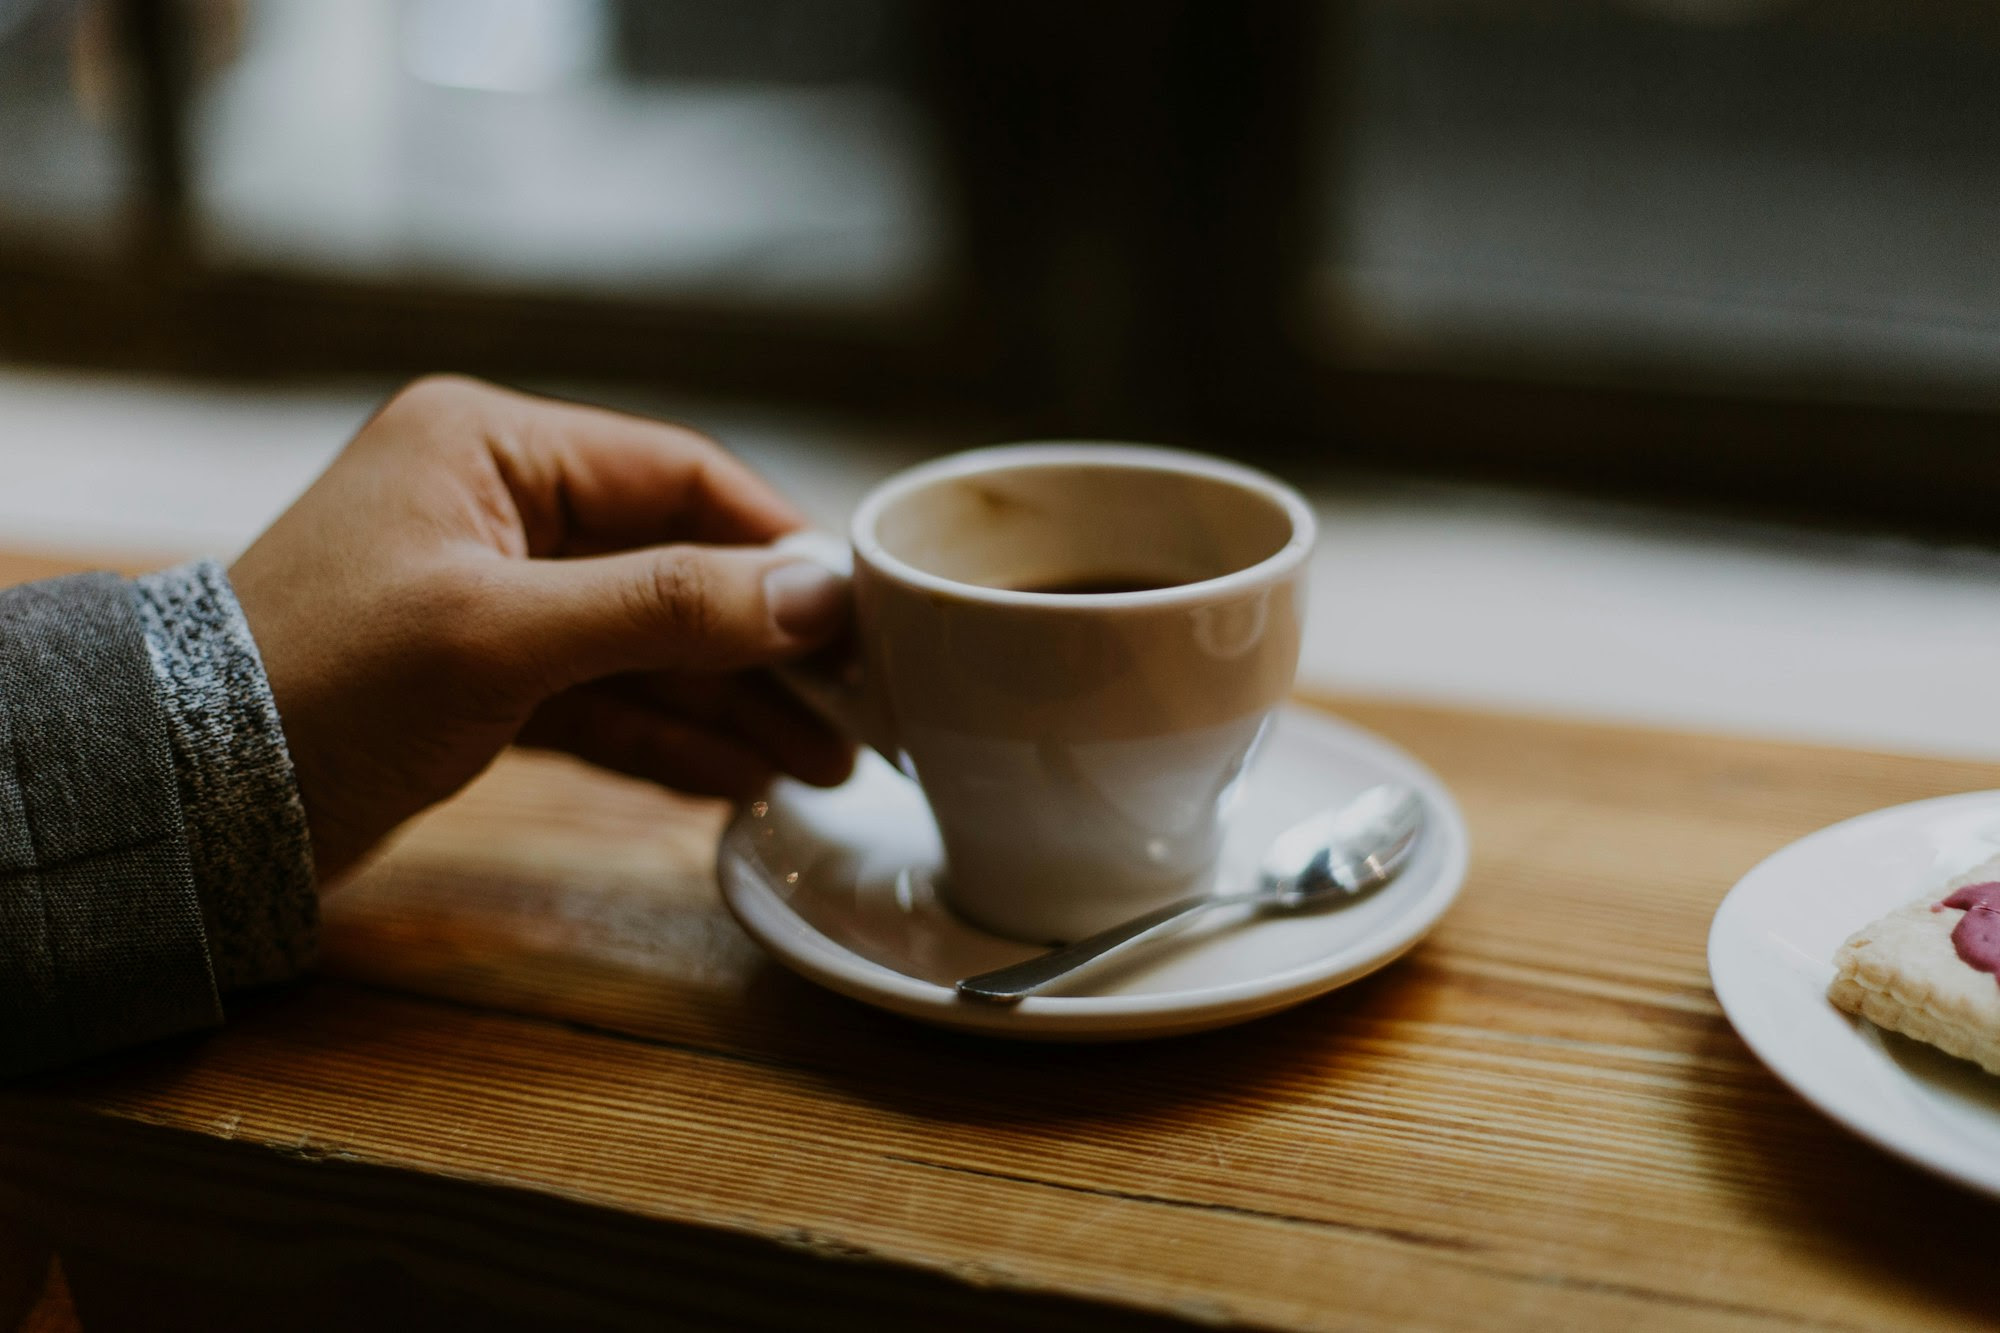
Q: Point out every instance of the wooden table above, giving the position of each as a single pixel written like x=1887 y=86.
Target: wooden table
x=541 y=1077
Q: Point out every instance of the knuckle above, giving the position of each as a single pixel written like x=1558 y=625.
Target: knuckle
x=439 y=389
x=704 y=449
x=437 y=401
x=679 y=597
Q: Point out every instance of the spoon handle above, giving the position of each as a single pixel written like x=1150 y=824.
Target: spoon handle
x=1006 y=985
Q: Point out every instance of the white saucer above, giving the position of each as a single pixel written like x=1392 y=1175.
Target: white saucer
x=837 y=885
x=1770 y=956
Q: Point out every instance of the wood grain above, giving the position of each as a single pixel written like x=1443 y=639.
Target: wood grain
x=540 y=1063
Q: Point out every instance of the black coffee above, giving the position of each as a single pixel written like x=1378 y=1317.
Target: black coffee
x=1083 y=584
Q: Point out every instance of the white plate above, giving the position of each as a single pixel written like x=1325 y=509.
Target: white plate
x=837 y=885
x=1770 y=956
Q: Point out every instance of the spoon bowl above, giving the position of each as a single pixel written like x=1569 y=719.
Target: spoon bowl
x=1344 y=851
x=1330 y=857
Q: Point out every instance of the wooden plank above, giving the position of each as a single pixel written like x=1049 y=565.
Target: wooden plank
x=25 y=566
x=533 y=1008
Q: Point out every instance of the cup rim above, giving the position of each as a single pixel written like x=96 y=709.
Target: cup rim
x=1093 y=453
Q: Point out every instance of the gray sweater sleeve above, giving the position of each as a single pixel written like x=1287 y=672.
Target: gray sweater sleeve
x=151 y=838
x=240 y=809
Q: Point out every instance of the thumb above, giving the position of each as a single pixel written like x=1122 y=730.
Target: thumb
x=674 y=608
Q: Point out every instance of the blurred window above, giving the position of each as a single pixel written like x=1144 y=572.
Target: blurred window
x=731 y=150
x=66 y=172
x=1684 y=245
x=1801 y=195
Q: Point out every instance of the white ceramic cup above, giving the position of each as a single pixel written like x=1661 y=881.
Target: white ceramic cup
x=1078 y=749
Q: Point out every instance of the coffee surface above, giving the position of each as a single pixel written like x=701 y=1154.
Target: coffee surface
x=1081 y=584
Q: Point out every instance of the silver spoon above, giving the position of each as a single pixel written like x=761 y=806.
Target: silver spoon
x=1335 y=853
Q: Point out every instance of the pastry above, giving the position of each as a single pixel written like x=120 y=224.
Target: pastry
x=1931 y=969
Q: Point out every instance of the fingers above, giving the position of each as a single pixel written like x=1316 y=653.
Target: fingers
x=709 y=737
x=626 y=737
x=756 y=709
x=587 y=480
x=698 y=609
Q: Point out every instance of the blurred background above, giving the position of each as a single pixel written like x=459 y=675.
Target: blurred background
x=1735 y=255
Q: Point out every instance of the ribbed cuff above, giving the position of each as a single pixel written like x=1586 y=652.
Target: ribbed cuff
x=246 y=827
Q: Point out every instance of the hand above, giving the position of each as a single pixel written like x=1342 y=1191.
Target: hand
x=480 y=567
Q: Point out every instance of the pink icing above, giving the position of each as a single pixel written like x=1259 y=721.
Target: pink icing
x=1977 y=934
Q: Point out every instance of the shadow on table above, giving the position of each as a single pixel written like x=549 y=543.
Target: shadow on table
x=1861 y=1207
x=918 y=1070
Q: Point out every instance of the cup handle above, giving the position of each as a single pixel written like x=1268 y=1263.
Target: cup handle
x=836 y=685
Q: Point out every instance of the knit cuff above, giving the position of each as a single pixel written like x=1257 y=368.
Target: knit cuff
x=246 y=826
